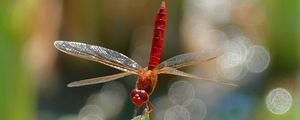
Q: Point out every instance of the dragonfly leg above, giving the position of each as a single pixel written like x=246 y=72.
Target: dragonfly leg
x=149 y=107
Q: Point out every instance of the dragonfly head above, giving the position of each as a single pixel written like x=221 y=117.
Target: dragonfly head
x=138 y=97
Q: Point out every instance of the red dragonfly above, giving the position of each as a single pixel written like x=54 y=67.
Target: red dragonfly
x=147 y=77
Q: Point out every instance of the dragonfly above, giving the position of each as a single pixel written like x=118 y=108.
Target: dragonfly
x=147 y=76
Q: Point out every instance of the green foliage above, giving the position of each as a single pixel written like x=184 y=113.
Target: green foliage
x=145 y=116
x=17 y=100
x=283 y=34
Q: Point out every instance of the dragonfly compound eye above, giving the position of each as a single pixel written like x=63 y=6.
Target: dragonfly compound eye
x=138 y=97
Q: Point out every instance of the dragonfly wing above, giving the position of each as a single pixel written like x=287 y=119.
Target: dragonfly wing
x=98 y=54
x=98 y=80
x=172 y=71
x=190 y=58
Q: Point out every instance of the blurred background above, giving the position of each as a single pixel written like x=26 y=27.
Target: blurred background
x=260 y=40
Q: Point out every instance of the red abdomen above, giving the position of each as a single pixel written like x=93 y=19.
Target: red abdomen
x=158 y=37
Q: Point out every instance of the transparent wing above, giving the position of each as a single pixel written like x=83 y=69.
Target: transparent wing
x=172 y=71
x=98 y=80
x=98 y=54
x=190 y=59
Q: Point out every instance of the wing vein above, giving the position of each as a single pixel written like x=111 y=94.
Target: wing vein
x=98 y=80
x=172 y=71
x=98 y=54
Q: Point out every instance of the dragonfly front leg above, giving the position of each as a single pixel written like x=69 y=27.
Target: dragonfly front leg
x=149 y=107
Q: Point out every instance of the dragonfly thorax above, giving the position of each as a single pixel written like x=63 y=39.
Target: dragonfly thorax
x=147 y=81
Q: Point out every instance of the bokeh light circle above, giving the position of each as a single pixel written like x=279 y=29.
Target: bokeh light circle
x=159 y=115
x=279 y=101
x=91 y=112
x=170 y=115
x=91 y=117
x=197 y=109
x=180 y=92
x=258 y=59
x=161 y=103
x=231 y=63
x=230 y=59
x=230 y=66
x=177 y=112
x=112 y=97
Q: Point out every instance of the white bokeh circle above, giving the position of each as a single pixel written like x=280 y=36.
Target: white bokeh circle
x=279 y=101
x=180 y=92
